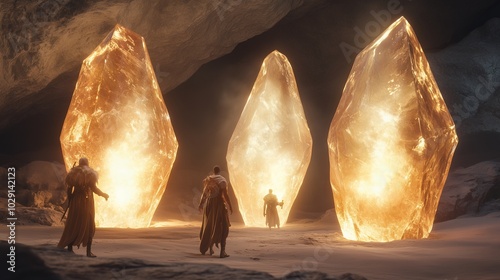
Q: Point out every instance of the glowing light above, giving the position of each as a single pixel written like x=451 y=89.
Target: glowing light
x=390 y=142
x=118 y=120
x=271 y=145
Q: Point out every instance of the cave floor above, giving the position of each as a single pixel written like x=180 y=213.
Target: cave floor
x=464 y=248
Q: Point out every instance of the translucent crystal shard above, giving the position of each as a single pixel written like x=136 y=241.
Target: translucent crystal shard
x=271 y=145
x=118 y=120
x=390 y=142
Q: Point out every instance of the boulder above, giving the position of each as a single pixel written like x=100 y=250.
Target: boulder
x=40 y=194
x=38 y=216
x=31 y=215
x=468 y=189
x=41 y=184
x=490 y=206
x=468 y=75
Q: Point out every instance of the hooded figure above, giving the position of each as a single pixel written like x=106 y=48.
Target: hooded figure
x=79 y=228
x=215 y=225
x=270 y=211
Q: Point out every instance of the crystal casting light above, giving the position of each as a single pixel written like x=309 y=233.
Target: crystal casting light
x=271 y=145
x=118 y=120
x=390 y=142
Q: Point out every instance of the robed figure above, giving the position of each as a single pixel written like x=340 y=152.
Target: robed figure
x=270 y=211
x=79 y=228
x=215 y=224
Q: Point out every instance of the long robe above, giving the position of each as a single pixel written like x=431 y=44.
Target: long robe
x=272 y=217
x=79 y=228
x=215 y=224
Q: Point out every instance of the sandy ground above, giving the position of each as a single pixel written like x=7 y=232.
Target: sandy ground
x=465 y=248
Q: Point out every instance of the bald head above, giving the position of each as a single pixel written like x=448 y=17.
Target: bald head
x=83 y=161
x=216 y=170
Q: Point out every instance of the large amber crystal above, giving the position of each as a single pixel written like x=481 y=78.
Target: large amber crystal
x=271 y=145
x=118 y=120
x=391 y=142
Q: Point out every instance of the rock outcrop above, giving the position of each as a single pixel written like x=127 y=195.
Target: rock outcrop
x=40 y=194
x=470 y=190
x=468 y=74
x=41 y=184
x=32 y=215
x=43 y=39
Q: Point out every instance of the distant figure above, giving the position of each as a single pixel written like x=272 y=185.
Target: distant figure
x=80 y=224
x=215 y=225
x=270 y=211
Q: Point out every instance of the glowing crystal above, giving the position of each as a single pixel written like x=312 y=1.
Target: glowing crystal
x=118 y=120
x=271 y=145
x=391 y=142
